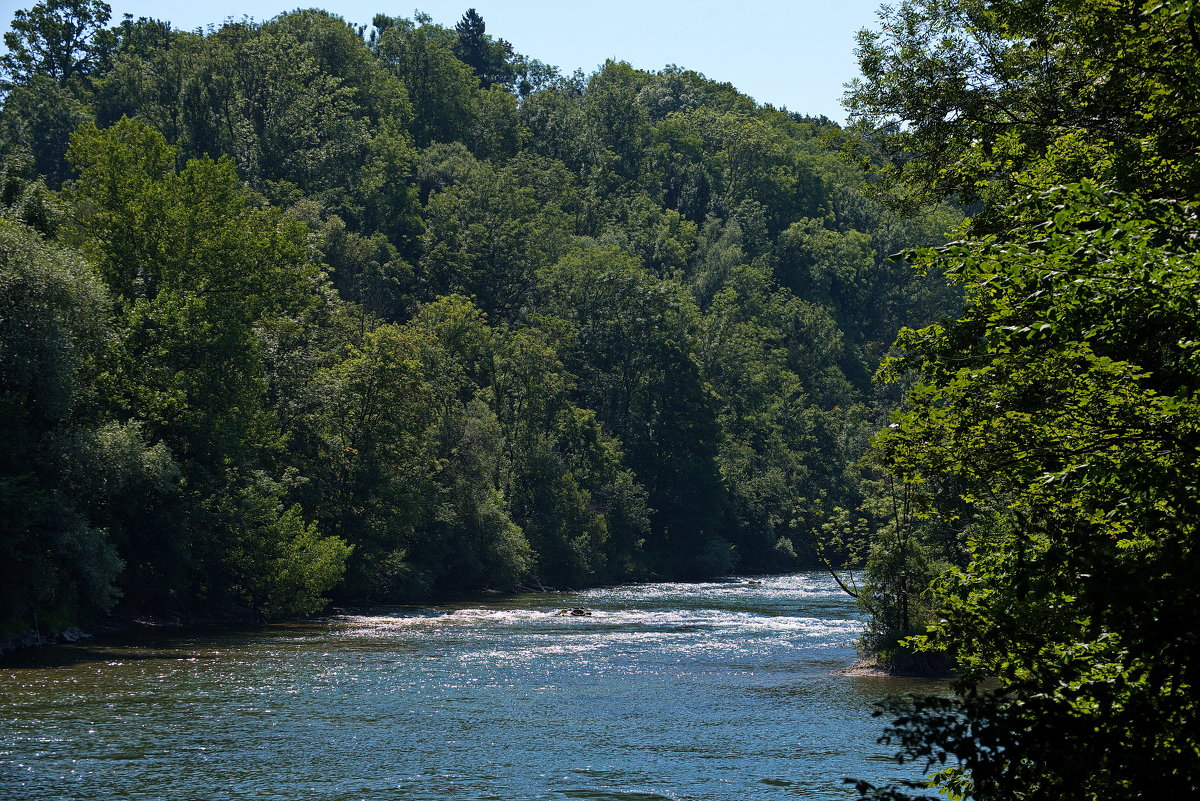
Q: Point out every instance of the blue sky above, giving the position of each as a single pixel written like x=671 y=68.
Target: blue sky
x=796 y=54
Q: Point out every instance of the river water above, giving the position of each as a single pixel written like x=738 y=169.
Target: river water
x=720 y=691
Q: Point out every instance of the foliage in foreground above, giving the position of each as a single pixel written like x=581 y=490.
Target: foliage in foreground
x=1046 y=457
x=1063 y=400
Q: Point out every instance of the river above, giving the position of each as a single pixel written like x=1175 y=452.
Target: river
x=721 y=691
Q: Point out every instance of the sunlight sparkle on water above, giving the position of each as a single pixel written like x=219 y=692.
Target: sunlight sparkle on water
x=718 y=691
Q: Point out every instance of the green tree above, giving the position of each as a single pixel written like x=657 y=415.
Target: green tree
x=487 y=57
x=54 y=38
x=560 y=474
x=37 y=122
x=558 y=127
x=979 y=100
x=766 y=454
x=583 y=513
x=1061 y=407
x=57 y=567
x=627 y=338
x=375 y=465
x=486 y=236
x=193 y=266
x=194 y=263
x=442 y=89
x=616 y=121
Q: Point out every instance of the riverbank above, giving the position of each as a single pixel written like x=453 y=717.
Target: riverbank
x=913 y=666
x=32 y=639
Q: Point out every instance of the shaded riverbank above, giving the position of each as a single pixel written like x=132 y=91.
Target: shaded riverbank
x=117 y=628
x=913 y=666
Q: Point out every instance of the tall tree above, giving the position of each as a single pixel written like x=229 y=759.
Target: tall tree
x=54 y=38
x=194 y=263
x=982 y=99
x=487 y=57
x=627 y=337
x=442 y=89
x=1052 y=429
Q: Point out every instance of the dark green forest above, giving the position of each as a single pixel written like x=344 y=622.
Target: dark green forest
x=299 y=310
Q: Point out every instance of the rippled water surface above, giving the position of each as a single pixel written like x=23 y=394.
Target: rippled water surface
x=722 y=691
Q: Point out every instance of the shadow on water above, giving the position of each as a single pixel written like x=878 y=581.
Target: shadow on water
x=141 y=644
x=616 y=795
x=65 y=656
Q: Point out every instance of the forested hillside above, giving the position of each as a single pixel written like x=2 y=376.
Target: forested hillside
x=297 y=309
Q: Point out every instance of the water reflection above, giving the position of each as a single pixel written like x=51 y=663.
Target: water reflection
x=720 y=691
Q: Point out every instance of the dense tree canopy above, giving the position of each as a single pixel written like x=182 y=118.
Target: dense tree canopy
x=294 y=310
x=1061 y=409
x=984 y=99
x=316 y=312
x=1045 y=461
